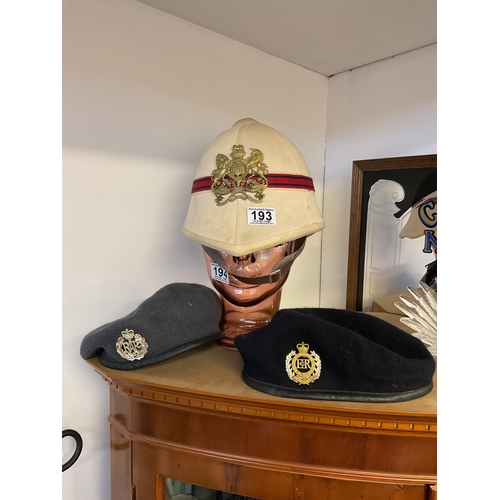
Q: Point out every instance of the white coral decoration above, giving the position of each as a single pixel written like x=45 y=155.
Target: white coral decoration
x=421 y=309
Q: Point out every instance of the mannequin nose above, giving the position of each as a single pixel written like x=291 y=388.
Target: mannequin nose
x=245 y=258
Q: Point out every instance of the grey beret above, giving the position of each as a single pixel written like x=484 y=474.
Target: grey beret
x=176 y=318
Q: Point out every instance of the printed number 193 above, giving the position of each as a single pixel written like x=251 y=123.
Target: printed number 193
x=257 y=216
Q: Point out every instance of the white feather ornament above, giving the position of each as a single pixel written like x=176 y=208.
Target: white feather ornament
x=420 y=307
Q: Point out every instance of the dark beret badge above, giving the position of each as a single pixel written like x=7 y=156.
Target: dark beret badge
x=303 y=367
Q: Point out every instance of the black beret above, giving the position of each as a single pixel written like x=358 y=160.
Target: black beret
x=320 y=353
x=176 y=318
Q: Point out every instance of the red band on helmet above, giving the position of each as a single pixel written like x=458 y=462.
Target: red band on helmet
x=286 y=181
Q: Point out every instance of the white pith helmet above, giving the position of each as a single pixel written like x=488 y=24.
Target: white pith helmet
x=252 y=191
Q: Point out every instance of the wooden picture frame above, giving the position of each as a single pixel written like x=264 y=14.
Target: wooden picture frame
x=409 y=172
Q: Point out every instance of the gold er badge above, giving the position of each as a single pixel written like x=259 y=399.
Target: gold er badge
x=131 y=345
x=303 y=367
x=239 y=178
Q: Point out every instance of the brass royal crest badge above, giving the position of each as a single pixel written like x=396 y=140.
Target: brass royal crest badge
x=131 y=345
x=303 y=367
x=239 y=178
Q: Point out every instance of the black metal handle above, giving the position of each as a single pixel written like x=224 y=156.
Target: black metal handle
x=79 y=446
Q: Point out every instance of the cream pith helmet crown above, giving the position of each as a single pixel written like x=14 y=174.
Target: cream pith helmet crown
x=252 y=191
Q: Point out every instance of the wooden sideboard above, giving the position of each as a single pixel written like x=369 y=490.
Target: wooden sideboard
x=192 y=418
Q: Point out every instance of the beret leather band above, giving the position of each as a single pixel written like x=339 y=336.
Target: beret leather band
x=360 y=397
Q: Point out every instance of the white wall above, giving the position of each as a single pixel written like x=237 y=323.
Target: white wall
x=144 y=94
x=380 y=110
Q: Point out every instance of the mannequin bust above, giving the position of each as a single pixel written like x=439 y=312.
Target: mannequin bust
x=248 y=306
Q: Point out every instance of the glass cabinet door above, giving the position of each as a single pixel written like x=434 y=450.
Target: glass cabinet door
x=177 y=490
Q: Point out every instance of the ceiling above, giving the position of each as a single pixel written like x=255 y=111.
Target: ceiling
x=326 y=36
